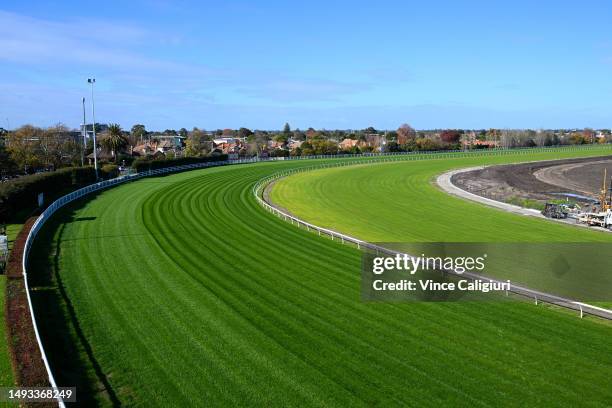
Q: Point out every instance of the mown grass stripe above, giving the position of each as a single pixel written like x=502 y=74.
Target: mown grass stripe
x=191 y=293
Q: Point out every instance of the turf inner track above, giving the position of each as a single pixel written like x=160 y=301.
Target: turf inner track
x=181 y=290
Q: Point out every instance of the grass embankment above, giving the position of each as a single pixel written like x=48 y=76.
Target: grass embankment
x=181 y=290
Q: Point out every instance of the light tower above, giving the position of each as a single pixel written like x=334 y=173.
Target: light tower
x=92 y=81
x=84 y=134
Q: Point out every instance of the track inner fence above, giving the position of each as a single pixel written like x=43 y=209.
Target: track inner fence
x=535 y=295
x=340 y=160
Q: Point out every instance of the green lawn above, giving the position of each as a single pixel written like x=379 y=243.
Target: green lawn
x=6 y=371
x=399 y=202
x=181 y=290
x=11 y=232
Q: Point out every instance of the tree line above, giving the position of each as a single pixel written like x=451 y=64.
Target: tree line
x=28 y=148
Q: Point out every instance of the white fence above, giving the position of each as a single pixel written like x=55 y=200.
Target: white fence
x=428 y=154
x=374 y=158
x=537 y=296
x=75 y=195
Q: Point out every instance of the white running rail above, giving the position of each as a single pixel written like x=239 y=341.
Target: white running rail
x=537 y=296
x=75 y=195
x=257 y=189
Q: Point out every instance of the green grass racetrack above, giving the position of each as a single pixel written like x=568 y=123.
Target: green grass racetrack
x=181 y=290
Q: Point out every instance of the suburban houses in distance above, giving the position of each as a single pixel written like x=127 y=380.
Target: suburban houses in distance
x=30 y=149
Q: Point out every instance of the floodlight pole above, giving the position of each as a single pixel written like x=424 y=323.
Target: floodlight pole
x=84 y=132
x=92 y=81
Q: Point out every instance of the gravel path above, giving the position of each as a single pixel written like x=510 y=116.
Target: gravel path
x=445 y=183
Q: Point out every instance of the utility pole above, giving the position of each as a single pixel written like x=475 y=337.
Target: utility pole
x=84 y=132
x=92 y=81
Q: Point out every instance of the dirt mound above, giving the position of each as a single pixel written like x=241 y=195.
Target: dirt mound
x=532 y=184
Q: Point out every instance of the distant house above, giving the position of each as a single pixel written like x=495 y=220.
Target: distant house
x=469 y=141
x=486 y=144
x=165 y=145
x=101 y=155
x=228 y=148
x=272 y=145
x=348 y=144
x=227 y=140
x=175 y=141
x=294 y=144
x=142 y=150
x=374 y=140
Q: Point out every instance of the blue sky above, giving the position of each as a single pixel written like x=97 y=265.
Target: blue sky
x=325 y=64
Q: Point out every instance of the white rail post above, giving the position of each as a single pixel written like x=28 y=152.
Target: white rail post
x=581 y=312
x=536 y=299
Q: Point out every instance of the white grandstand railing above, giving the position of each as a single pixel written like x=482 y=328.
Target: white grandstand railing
x=372 y=158
x=537 y=296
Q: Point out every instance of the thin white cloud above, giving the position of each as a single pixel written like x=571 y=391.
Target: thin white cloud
x=27 y=40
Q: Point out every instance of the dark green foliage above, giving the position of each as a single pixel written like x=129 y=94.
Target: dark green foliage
x=109 y=171
x=20 y=195
x=144 y=164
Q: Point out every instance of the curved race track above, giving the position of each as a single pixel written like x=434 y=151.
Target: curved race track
x=181 y=290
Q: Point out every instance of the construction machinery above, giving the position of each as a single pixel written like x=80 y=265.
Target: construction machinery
x=600 y=215
x=605 y=194
x=558 y=211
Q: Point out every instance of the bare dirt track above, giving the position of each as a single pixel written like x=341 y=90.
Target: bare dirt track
x=540 y=181
x=585 y=178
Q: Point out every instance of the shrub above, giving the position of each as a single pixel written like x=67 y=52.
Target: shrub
x=279 y=153
x=143 y=164
x=21 y=195
x=24 y=352
x=109 y=171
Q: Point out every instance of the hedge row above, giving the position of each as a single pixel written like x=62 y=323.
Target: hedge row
x=143 y=164
x=21 y=194
x=26 y=358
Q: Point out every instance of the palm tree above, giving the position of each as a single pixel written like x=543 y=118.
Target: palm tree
x=114 y=140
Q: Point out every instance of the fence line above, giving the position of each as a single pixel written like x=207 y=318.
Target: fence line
x=258 y=191
x=375 y=158
x=474 y=152
x=75 y=195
